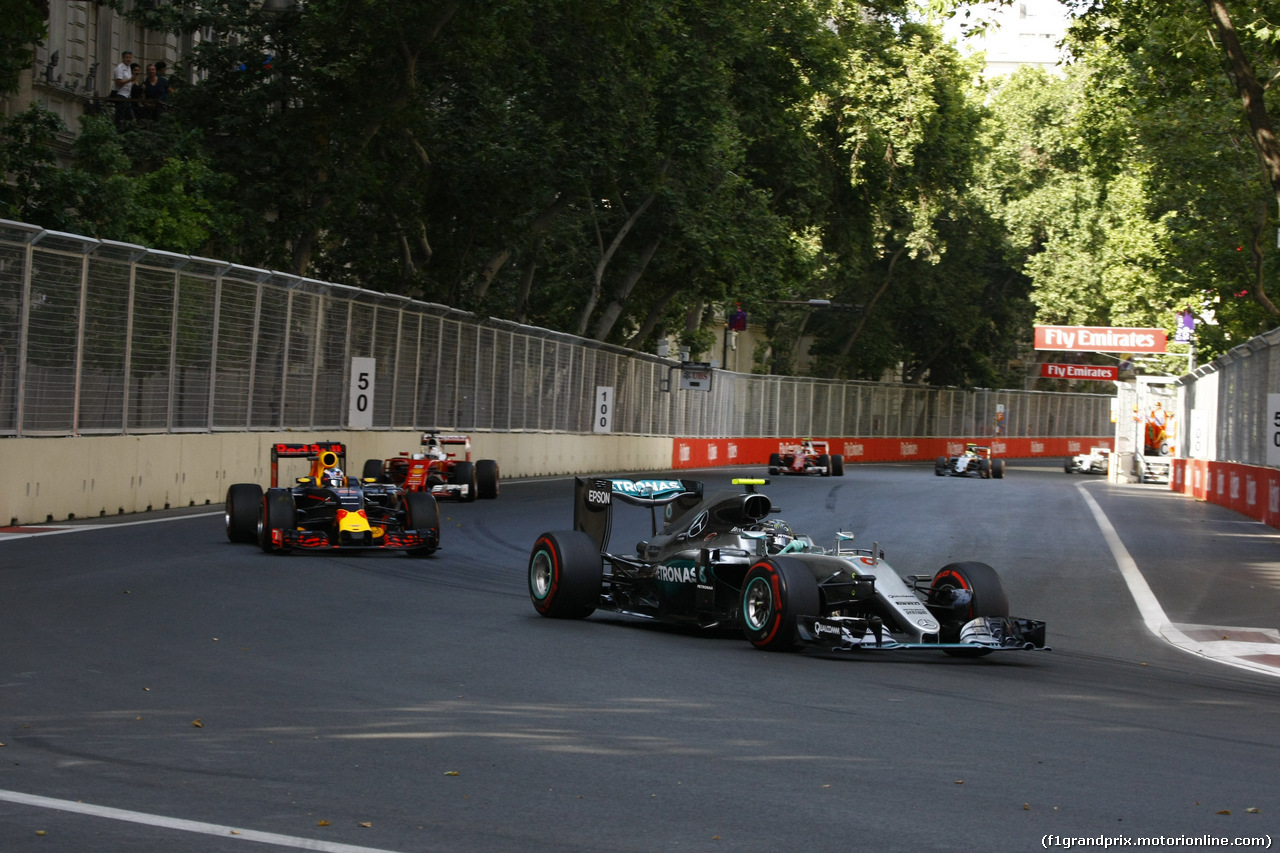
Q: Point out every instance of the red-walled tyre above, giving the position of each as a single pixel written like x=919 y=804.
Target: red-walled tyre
x=566 y=574
x=987 y=597
x=775 y=591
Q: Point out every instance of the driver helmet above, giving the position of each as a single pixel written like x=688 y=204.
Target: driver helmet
x=780 y=535
x=435 y=450
x=333 y=477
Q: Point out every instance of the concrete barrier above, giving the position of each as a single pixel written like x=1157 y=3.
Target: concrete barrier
x=56 y=479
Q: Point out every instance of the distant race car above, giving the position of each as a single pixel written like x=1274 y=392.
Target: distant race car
x=720 y=562
x=1093 y=462
x=326 y=510
x=976 y=460
x=807 y=457
x=442 y=467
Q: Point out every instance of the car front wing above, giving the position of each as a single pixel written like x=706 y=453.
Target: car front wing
x=399 y=540
x=992 y=633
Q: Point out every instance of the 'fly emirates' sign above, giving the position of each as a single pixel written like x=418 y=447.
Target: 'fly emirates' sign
x=1100 y=339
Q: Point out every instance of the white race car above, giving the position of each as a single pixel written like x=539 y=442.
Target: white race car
x=1093 y=462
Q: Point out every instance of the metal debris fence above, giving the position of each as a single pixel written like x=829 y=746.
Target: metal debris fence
x=100 y=337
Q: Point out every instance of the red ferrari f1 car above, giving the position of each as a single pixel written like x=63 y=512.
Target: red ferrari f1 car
x=443 y=468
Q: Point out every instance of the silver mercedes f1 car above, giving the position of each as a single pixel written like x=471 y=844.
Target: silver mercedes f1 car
x=720 y=561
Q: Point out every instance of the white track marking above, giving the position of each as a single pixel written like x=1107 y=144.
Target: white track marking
x=1230 y=652
x=52 y=529
x=185 y=825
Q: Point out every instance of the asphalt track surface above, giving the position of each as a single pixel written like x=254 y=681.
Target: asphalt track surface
x=162 y=689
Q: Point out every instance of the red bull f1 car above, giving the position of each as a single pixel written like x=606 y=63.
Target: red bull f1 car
x=807 y=457
x=326 y=510
x=720 y=561
x=975 y=461
x=443 y=467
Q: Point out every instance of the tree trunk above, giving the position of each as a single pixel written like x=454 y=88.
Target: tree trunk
x=606 y=256
x=655 y=314
x=1255 y=110
x=866 y=311
x=609 y=316
x=539 y=226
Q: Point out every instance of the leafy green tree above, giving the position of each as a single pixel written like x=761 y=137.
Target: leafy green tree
x=21 y=29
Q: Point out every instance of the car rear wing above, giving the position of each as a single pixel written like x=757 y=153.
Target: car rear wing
x=445 y=439
x=286 y=450
x=593 y=502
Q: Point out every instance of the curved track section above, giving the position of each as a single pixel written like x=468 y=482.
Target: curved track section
x=377 y=702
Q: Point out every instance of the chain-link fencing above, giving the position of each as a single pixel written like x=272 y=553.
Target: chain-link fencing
x=1224 y=403
x=99 y=337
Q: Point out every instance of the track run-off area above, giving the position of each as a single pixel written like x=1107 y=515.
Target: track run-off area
x=163 y=689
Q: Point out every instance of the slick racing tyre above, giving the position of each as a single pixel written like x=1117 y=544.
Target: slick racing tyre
x=777 y=590
x=984 y=469
x=372 y=470
x=421 y=512
x=1067 y=466
x=278 y=513
x=244 y=502
x=997 y=469
x=487 y=479
x=837 y=465
x=824 y=462
x=775 y=464
x=987 y=597
x=940 y=466
x=464 y=474
x=566 y=574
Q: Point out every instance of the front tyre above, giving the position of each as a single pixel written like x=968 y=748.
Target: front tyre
x=986 y=594
x=372 y=470
x=464 y=474
x=487 y=479
x=837 y=465
x=940 y=466
x=566 y=574
x=824 y=462
x=244 y=502
x=278 y=514
x=421 y=512
x=777 y=590
x=997 y=469
x=775 y=464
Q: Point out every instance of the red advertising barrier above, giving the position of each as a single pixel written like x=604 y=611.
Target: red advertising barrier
x=1248 y=489
x=716 y=452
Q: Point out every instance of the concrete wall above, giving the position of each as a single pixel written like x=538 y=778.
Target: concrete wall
x=55 y=479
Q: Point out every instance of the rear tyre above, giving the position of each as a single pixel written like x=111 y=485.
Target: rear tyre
x=997 y=469
x=421 y=512
x=987 y=597
x=777 y=590
x=372 y=470
x=464 y=474
x=487 y=479
x=244 y=502
x=278 y=513
x=824 y=462
x=566 y=574
x=775 y=464
x=837 y=465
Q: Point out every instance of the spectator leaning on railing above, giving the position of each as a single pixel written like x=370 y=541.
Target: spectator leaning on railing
x=122 y=87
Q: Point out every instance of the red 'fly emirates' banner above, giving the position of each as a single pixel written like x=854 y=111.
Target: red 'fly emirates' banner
x=1100 y=339
x=1101 y=372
